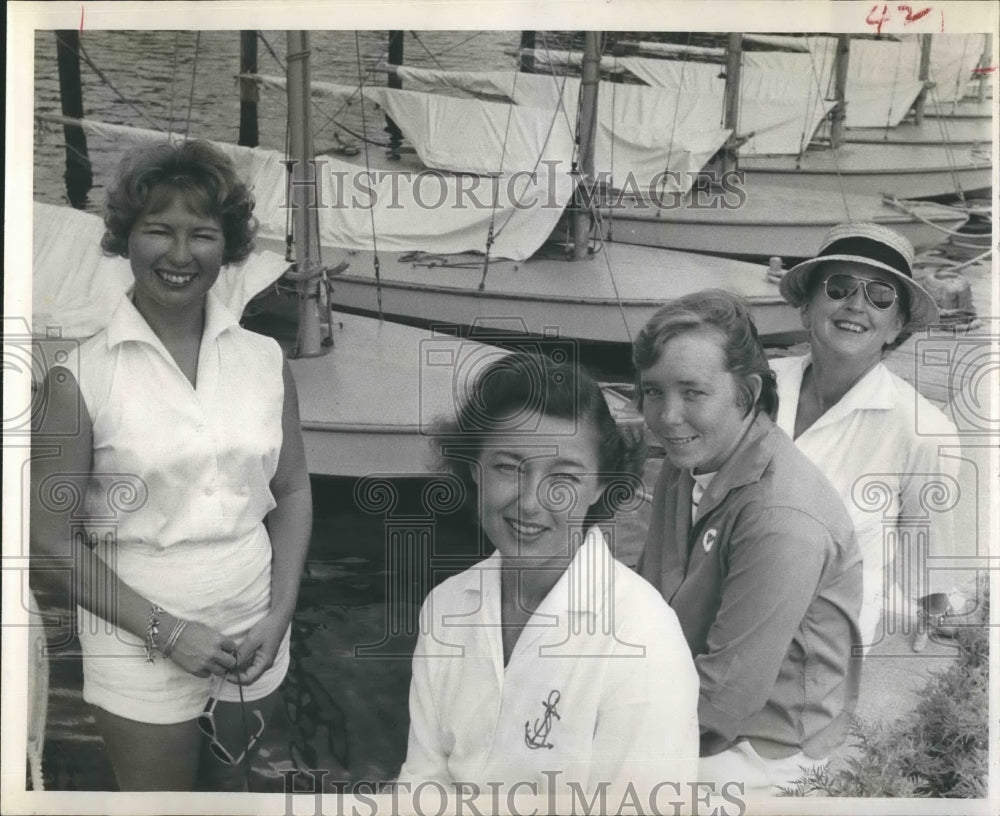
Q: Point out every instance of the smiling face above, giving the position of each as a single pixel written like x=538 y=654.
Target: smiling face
x=852 y=328
x=691 y=401
x=175 y=253
x=536 y=487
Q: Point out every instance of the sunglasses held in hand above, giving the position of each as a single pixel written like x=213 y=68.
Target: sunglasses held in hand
x=206 y=723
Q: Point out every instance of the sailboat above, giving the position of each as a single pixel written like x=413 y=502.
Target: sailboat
x=903 y=170
x=369 y=391
x=753 y=217
x=482 y=266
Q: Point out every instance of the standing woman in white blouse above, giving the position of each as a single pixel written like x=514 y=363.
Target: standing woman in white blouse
x=875 y=438
x=185 y=610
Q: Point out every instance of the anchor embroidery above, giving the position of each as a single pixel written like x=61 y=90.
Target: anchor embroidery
x=541 y=731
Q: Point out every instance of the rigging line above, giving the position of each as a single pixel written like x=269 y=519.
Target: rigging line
x=451 y=48
x=119 y=94
x=673 y=120
x=895 y=82
x=329 y=118
x=194 y=73
x=371 y=210
x=173 y=83
x=548 y=135
x=560 y=86
x=429 y=52
x=490 y=236
x=836 y=158
x=611 y=272
x=953 y=166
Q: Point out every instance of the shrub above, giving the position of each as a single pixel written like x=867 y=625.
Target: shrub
x=941 y=750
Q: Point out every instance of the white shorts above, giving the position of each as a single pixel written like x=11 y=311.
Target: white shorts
x=224 y=585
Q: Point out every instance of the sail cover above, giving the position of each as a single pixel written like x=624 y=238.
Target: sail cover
x=780 y=107
x=646 y=137
x=429 y=212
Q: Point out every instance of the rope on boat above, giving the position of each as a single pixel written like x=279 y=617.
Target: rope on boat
x=897 y=204
x=368 y=169
x=496 y=185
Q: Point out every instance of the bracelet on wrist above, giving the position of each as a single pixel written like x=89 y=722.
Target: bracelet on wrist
x=175 y=634
x=152 y=630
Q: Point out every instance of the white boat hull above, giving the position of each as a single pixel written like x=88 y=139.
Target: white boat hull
x=772 y=221
x=583 y=300
x=905 y=171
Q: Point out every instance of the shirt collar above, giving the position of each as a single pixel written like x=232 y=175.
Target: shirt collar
x=128 y=325
x=581 y=589
x=745 y=465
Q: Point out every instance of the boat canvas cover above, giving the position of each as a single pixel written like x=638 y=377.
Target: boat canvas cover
x=883 y=76
x=650 y=137
x=411 y=212
x=780 y=107
x=75 y=287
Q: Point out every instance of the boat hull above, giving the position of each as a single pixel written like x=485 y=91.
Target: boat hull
x=904 y=171
x=942 y=131
x=772 y=221
x=607 y=297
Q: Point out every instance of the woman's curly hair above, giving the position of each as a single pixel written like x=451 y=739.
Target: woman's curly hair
x=148 y=177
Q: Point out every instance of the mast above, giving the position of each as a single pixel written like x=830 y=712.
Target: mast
x=839 y=113
x=588 y=129
x=924 y=75
x=304 y=195
x=734 y=63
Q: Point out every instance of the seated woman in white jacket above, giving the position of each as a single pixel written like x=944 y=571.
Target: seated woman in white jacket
x=549 y=668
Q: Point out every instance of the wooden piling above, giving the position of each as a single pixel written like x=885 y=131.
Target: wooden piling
x=395 y=58
x=249 y=93
x=79 y=176
x=527 y=54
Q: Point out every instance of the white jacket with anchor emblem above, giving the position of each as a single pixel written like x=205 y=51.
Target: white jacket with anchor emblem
x=600 y=687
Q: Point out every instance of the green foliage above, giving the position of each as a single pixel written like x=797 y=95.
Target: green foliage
x=940 y=751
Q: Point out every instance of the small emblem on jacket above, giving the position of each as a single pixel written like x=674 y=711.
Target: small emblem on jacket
x=708 y=539
x=537 y=737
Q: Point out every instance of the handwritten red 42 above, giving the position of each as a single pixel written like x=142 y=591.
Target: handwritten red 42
x=877 y=19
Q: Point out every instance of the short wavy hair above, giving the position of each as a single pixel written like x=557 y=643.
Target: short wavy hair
x=511 y=392
x=198 y=170
x=741 y=347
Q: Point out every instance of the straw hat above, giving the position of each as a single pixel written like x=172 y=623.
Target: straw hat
x=873 y=245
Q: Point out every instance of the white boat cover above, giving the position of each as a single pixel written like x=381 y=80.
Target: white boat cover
x=430 y=212
x=645 y=137
x=882 y=75
x=781 y=107
x=76 y=287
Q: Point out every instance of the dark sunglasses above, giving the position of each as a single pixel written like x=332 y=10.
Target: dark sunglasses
x=841 y=286
x=206 y=723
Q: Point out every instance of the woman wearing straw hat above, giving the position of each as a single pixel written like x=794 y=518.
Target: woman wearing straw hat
x=850 y=415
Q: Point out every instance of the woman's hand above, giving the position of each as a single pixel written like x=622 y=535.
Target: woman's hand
x=200 y=649
x=259 y=648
